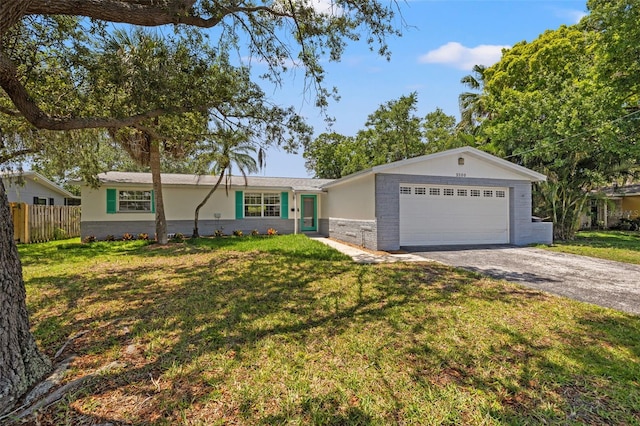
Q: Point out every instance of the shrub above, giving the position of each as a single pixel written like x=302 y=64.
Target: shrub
x=218 y=233
x=627 y=224
x=90 y=239
x=178 y=237
x=127 y=237
x=59 y=234
x=109 y=238
x=254 y=233
x=272 y=231
x=238 y=233
x=143 y=236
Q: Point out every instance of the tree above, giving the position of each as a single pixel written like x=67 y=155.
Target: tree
x=548 y=112
x=230 y=148
x=24 y=365
x=616 y=24
x=439 y=131
x=328 y=155
x=472 y=109
x=271 y=33
x=393 y=131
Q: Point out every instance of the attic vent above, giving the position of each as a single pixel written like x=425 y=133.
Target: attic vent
x=460 y=161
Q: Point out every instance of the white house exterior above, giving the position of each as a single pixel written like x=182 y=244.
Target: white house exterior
x=33 y=188
x=457 y=197
x=124 y=203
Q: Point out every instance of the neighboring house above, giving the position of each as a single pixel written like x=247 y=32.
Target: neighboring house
x=460 y=196
x=33 y=188
x=614 y=203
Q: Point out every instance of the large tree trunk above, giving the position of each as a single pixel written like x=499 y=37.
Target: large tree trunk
x=21 y=364
x=154 y=163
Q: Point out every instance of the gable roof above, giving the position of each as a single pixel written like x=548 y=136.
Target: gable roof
x=622 y=191
x=37 y=178
x=492 y=159
x=284 y=183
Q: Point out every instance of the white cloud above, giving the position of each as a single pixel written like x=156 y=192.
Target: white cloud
x=326 y=7
x=462 y=57
x=322 y=7
x=573 y=15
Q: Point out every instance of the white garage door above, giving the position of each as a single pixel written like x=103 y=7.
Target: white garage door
x=453 y=215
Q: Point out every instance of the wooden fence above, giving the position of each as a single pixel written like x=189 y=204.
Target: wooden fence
x=37 y=224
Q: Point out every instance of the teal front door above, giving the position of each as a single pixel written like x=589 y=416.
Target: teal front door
x=308 y=218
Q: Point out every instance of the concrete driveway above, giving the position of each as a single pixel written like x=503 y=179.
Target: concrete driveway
x=602 y=282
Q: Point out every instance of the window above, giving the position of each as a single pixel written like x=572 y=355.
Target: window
x=261 y=205
x=271 y=205
x=500 y=194
x=252 y=205
x=434 y=191
x=487 y=193
x=475 y=192
x=462 y=192
x=39 y=201
x=134 y=201
x=420 y=191
x=405 y=190
x=448 y=192
x=52 y=201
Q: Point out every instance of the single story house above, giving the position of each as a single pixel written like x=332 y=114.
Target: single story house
x=32 y=188
x=457 y=197
x=610 y=205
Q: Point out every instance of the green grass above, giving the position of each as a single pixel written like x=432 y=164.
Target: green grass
x=621 y=246
x=285 y=330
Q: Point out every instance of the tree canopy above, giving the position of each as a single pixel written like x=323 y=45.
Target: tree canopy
x=550 y=111
x=393 y=132
x=64 y=67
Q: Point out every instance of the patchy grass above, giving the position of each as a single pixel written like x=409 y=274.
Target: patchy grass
x=621 y=246
x=284 y=330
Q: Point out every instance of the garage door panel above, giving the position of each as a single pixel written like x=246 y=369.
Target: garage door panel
x=429 y=217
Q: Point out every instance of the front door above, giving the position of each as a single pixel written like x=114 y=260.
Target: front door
x=309 y=213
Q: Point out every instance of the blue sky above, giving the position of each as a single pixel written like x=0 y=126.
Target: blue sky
x=442 y=41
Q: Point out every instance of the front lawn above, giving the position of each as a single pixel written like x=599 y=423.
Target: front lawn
x=621 y=246
x=284 y=330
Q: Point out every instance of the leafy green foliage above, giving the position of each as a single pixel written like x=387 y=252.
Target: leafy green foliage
x=548 y=112
x=393 y=132
x=616 y=23
x=472 y=109
x=329 y=155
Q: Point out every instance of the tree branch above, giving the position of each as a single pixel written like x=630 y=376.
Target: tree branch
x=9 y=112
x=41 y=120
x=16 y=154
x=141 y=12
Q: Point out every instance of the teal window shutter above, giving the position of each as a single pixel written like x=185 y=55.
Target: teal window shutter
x=153 y=201
x=112 y=201
x=284 y=205
x=239 y=205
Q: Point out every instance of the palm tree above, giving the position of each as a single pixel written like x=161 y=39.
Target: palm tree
x=471 y=103
x=232 y=148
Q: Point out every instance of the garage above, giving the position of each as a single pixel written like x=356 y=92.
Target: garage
x=458 y=197
x=453 y=215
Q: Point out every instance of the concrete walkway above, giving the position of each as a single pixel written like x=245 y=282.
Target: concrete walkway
x=366 y=257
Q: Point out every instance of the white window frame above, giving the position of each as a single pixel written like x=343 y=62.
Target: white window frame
x=269 y=204
x=136 y=198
